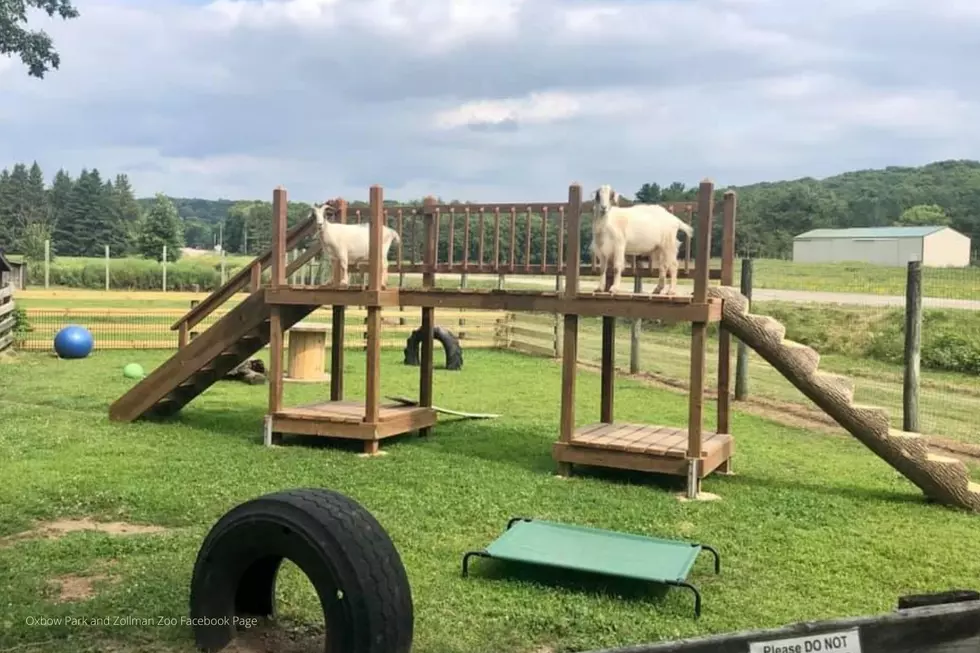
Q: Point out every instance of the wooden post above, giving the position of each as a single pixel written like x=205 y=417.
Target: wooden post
x=47 y=263
x=276 y=335
x=372 y=390
x=742 y=359
x=569 y=366
x=608 y=377
x=337 y=320
x=107 y=268
x=636 y=328
x=224 y=271
x=724 y=337
x=699 y=345
x=556 y=327
x=913 y=342
x=164 y=268
x=430 y=256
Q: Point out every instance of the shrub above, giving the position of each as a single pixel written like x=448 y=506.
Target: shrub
x=131 y=274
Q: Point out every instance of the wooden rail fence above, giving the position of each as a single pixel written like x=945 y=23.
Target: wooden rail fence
x=150 y=328
x=7 y=318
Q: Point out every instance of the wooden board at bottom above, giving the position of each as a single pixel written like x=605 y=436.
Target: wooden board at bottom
x=643 y=448
x=344 y=419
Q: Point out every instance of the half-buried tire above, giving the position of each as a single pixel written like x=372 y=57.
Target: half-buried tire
x=450 y=345
x=340 y=546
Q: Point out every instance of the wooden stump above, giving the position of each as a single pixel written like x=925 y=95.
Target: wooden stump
x=307 y=353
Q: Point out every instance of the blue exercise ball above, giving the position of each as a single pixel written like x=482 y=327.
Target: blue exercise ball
x=73 y=342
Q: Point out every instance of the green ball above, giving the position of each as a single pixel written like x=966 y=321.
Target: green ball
x=134 y=371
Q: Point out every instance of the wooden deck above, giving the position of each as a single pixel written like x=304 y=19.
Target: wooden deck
x=345 y=419
x=643 y=447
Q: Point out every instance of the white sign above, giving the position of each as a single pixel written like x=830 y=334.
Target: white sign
x=848 y=641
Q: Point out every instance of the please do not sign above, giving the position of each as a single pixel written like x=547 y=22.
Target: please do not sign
x=841 y=642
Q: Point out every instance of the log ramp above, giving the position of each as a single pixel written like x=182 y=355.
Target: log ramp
x=942 y=478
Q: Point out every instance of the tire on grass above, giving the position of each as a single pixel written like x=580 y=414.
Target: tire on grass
x=450 y=345
x=343 y=550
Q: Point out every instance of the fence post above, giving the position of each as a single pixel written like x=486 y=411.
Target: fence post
x=107 y=268
x=164 y=268
x=913 y=341
x=224 y=277
x=636 y=327
x=742 y=358
x=47 y=262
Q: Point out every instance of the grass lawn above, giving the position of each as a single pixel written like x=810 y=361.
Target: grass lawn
x=812 y=526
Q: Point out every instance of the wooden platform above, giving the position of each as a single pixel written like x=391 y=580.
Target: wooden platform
x=642 y=447
x=345 y=419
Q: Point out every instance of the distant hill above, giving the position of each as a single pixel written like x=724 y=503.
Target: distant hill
x=770 y=213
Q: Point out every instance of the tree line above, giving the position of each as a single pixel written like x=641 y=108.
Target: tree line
x=82 y=215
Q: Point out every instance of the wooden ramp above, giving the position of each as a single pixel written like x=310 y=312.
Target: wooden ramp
x=205 y=360
x=942 y=478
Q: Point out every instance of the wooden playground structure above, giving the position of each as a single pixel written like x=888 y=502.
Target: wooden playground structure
x=274 y=307
x=271 y=309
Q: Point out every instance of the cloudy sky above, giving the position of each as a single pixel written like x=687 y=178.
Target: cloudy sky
x=493 y=100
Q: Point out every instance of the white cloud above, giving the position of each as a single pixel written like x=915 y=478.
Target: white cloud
x=492 y=99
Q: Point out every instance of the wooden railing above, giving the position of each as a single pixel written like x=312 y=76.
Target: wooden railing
x=7 y=318
x=249 y=277
x=498 y=238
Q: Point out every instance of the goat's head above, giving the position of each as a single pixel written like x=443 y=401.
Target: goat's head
x=322 y=212
x=604 y=199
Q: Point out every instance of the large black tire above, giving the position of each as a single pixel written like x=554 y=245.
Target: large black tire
x=450 y=345
x=340 y=546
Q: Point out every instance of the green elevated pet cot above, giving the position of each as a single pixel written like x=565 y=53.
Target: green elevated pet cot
x=579 y=548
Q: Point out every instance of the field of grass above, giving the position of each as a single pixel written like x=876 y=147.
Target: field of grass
x=803 y=511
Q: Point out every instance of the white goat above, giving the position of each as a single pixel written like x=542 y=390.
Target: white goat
x=350 y=243
x=637 y=230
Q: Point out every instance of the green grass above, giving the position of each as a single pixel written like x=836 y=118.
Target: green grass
x=803 y=512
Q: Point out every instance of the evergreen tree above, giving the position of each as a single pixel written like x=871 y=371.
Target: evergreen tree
x=60 y=197
x=6 y=211
x=87 y=232
x=18 y=205
x=118 y=234
x=161 y=226
x=35 y=221
x=129 y=212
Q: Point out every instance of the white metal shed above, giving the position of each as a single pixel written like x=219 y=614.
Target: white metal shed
x=895 y=246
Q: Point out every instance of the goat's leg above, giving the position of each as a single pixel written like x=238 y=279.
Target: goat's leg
x=672 y=266
x=618 y=266
x=344 y=277
x=662 y=273
x=603 y=266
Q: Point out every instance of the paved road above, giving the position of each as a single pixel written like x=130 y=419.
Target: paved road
x=766 y=294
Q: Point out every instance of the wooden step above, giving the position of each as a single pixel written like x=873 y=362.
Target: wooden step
x=913 y=444
x=836 y=385
x=875 y=418
x=807 y=359
x=773 y=328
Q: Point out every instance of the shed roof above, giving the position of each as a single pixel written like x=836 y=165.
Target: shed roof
x=870 y=232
